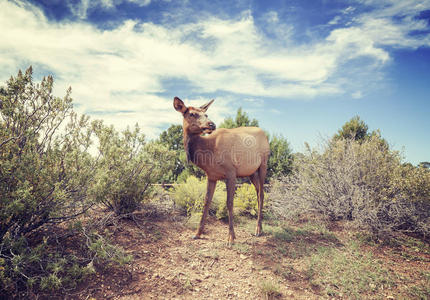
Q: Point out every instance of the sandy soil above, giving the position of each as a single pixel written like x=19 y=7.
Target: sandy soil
x=169 y=264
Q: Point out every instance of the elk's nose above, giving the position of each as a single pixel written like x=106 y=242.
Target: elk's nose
x=212 y=125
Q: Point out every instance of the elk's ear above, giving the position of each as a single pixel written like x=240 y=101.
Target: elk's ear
x=206 y=106
x=179 y=105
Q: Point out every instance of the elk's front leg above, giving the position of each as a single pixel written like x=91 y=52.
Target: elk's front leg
x=208 y=199
x=231 y=183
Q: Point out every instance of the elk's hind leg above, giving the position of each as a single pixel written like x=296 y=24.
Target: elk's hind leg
x=255 y=179
x=208 y=199
x=262 y=172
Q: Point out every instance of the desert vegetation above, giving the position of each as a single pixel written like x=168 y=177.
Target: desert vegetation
x=361 y=181
x=82 y=200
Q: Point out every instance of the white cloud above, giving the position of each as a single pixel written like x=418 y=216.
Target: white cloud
x=390 y=8
x=348 y=10
x=81 y=7
x=388 y=23
x=120 y=74
x=335 y=20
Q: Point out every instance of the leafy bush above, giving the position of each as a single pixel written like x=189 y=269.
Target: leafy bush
x=38 y=267
x=45 y=175
x=126 y=167
x=362 y=181
x=245 y=200
x=190 y=196
x=48 y=266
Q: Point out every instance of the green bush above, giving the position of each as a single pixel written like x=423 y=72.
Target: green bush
x=45 y=175
x=44 y=178
x=363 y=181
x=245 y=200
x=126 y=167
x=190 y=195
x=43 y=266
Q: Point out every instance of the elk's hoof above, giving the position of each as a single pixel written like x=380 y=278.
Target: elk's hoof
x=258 y=232
x=196 y=237
x=230 y=242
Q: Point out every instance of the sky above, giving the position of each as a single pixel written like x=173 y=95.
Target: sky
x=302 y=68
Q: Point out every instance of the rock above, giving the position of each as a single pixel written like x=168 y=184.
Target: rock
x=242 y=256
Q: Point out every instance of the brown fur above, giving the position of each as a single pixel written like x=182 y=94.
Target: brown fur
x=224 y=154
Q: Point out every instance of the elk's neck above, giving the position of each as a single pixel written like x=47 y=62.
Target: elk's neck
x=192 y=144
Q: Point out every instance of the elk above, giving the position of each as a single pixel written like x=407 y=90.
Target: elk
x=224 y=154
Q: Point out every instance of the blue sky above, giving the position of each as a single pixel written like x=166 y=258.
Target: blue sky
x=302 y=68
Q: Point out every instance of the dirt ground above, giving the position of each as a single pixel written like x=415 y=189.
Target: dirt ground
x=169 y=264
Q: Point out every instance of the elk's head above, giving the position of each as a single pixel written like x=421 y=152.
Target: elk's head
x=195 y=119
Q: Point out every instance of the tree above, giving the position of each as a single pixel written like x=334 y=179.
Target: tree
x=172 y=138
x=280 y=159
x=241 y=119
x=353 y=129
x=357 y=130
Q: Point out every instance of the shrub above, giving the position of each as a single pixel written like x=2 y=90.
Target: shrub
x=190 y=196
x=245 y=200
x=126 y=167
x=363 y=181
x=42 y=264
x=44 y=178
x=45 y=175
